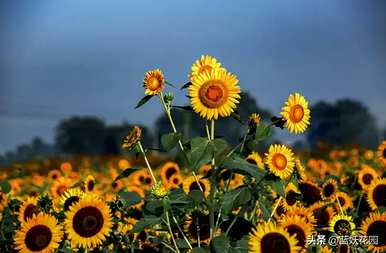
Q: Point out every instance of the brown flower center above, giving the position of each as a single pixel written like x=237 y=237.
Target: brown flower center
x=311 y=193
x=29 y=211
x=169 y=172
x=213 y=94
x=342 y=227
x=69 y=202
x=384 y=153
x=194 y=186
x=299 y=234
x=378 y=228
x=275 y=242
x=252 y=161
x=279 y=161
x=88 y=221
x=90 y=185
x=38 y=238
x=296 y=113
x=379 y=195
x=367 y=178
x=328 y=190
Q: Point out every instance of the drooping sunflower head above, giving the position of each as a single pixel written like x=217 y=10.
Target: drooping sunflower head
x=69 y=198
x=268 y=238
x=41 y=233
x=298 y=226
x=329 y=189
x=381 y=153
x=366 y=176
x=169 y=169
x=88 y=222
x=376 y=195
x=89 y=183
x=214 y=94
x=280 y=160
x=292 y=194
x=132 y=138
x=255 y=159
x=375 y=225
x=28 y=209
x=190 y=184
x=310 y=191
x=300 y=169
x=154 y=82
x=206 y=63
x=323 y=214
x=296 y=113
x=342 y=225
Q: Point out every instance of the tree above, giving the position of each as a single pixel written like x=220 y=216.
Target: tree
x=345 y=122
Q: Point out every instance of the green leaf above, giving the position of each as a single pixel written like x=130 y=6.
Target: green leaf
x=262 y=132
x=185 y=86
x=170 y=140
x=265 y=210
x=201 y=153
x=221 y=244
x=127 y=172
x=130 y=198
x=143 y=101
x=181 y=243
x=5 y=186
x=236 y=164
x=146 y=222
x=197 y=196
x=200 y=250
x=236 y=116
x=219 y=146
x=235 y=198
x=278 y=187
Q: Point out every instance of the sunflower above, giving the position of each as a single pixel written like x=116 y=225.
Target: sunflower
x=323 y=214
x=345 y=201
x=206 y=63
x=342 y=225
x=254 y=119
x=39 y=234
x=300 y=169
x=255 y=159
x=368 y=154
x=142 y=178
x=329 y=189
x=66 y=167
x=175 y=181
x=375 y=225
x=298 y=226
x=280 y=160
x=202 y=221
x=190 y=184
x=89 y=184
x=296 y=113
x=213 y=94
x=60 y=186
x=88 y=222
x=28 y=209
x=376 y=195
x=381 y=153
x=291 y=196
x=302 y=212
x=132 y=138
x=268 y=238
x=310 y=191
x=169 y=169
x=154 y=82
x=365 y=176
x=54 y=175
x=69 y=198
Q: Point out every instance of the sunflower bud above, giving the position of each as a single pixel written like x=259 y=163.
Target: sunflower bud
x=159 y=191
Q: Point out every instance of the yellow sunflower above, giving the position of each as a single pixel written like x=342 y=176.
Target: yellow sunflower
x=342 y=225
x=190 y=227
x=69 y=198
x=28 y=209
x=302 y=212
x=169 y=169
x=323 y=214
x=132 y=138
x=310 y=191
x=296 y=113
x=154 y=82
x=206 y=63
x=368 y=154
x=381 y=153
x=345 y=201
x=190 y=184
x=269 y=238
x=66 y=167
x=175 y=181
x=60 y=186
x=376 y=195
x=254 y=119
x=280 y=160
x=214 y=94
x=41 y=234
x=298 y=226
x=329 y=189
x=88 y=222
x=89 y=183
x=291 y=196
x=255 y=159
x=54 y=175
x=365 y=176
x=375 y=225
x=300 y=169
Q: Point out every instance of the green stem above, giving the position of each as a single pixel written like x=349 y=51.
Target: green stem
x=181 y=231
x=212 y=188
x=274 y=209
x=359 y=204
x=147 y=162
x=170 y=230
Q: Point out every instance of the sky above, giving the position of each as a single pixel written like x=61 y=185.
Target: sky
x=88 y=57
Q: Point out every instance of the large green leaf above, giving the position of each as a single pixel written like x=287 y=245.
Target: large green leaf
x=146 y=222
x=127 y=172
x=130 y=198
x=262 y=132
x=170 y=140
x=235 y=198
x=221 y=244
x=237 y=164
x=143 y=101
x=5 y=186
x=201 y=153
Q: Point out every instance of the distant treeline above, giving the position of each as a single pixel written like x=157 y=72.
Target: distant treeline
x=343 y=123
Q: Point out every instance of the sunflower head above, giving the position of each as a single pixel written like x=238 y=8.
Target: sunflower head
x=28 y=209
x=190 y=184
x=280 y=160
x=255 y=159
x=175 y=181
x=214 y=94
x=41 y=233
x=132 y=138
x=89 y=183
x=70 y=197
x=296 y=113
x=193 y=222
x=159 y=191
x=298 y=226
x=310 y=191
x=376 y=195
x=206 y=63
x=169 y=169
x=342 y=225
x=375 y=225
x=329 y=189
x=381 y=153
x=154 y=82
x=268 y=238
x=254 y=119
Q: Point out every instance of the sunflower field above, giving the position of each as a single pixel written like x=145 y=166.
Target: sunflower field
x=200 y=194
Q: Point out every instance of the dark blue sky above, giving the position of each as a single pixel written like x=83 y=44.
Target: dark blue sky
x=88 y=57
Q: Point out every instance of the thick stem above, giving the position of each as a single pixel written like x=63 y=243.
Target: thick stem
x=147 y=162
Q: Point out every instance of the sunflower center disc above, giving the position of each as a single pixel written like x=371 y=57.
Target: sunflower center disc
x=279 y=161
x=169 y=172
x=213 y=94
x=275 y=242
x=384 y=153
x=38 y=238
x=328 y=190
x=296 y=113
x=378 y=228
x=367 y=179
x=299 y=234
x=379 y=195
x=153 y=84
x=29 y=211
x=88 y=221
